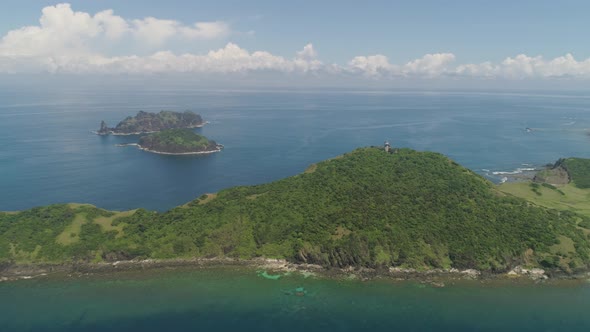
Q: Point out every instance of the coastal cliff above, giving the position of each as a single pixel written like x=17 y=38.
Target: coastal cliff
x=145 y=122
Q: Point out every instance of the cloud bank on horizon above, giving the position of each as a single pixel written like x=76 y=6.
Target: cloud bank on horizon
x=72 y=42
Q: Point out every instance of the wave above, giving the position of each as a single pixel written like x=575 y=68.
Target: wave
x=506 y=173
x=516 y=171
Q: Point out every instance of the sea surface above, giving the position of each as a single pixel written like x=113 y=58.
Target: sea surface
x=240 y=300
x=48 y=153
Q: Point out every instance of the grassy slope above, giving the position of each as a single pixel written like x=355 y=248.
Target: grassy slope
x=367 y=208
x=573 y=199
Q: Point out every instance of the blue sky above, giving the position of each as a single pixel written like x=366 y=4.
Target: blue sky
x=465 y=32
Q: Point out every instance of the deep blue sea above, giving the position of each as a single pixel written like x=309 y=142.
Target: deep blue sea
x=48 y=153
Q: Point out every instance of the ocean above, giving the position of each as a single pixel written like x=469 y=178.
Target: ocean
x=240 y=300
x=48 y=153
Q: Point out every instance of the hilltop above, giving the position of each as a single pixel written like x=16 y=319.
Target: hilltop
x=145 y=122
x=366 y=208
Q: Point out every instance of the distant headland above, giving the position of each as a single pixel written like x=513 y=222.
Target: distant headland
x=145 y=122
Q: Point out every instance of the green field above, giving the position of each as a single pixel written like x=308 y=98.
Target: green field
x=573 y=198
x=71 y=233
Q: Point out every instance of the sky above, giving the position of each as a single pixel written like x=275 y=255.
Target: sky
x=375 y=43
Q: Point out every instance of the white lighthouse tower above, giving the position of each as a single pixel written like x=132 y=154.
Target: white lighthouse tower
x=386 y=146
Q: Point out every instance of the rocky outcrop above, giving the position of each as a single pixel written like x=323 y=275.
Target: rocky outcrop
x=556 y=175
x=535 y=274
x=104 y=129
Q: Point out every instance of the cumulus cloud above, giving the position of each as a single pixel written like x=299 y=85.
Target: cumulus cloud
x=308 y=52
x=429 y=65
x=153 y=31
x=68 y=41
x=63 y=31
x=229 y=59
x=523 y=66
x=372 y=66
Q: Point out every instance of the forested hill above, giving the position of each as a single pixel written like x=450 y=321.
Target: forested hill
x=365 y=208
x=178 y=141
x=145 y=122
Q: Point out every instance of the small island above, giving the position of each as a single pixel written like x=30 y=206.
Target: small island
x=145 y=122
x=178 y=142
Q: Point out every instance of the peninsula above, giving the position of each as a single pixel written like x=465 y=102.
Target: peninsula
x=178 y=142
x=401 y=211
x=145 y=122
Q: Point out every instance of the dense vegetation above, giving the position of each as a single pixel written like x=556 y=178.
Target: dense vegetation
x=177 y=141
x=145 y=122
x=365 y=208
x=578 y=170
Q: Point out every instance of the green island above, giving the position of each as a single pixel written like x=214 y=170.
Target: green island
x=145 y=122
x=364 y=209
x=178 y=142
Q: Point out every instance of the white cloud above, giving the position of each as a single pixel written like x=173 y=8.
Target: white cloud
x=114 y=26
x=429 y=65
x=66 y=41
x=523 y=66
x=308 y=52
x=154 y=32
x=62 y=31
x=372 y=66
x=206 y=30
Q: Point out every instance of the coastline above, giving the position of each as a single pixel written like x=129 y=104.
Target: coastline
x=280 y=267
x=218 y=149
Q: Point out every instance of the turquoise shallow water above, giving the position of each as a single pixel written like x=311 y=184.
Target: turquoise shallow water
x=48 y=154
x=239 y=300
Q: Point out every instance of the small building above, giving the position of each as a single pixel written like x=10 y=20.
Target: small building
x=387 y=146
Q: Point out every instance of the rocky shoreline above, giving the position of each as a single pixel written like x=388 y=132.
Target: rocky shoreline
x=218 y=148
x=435 y=277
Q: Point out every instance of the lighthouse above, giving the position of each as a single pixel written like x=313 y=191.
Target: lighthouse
x=387 y=146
